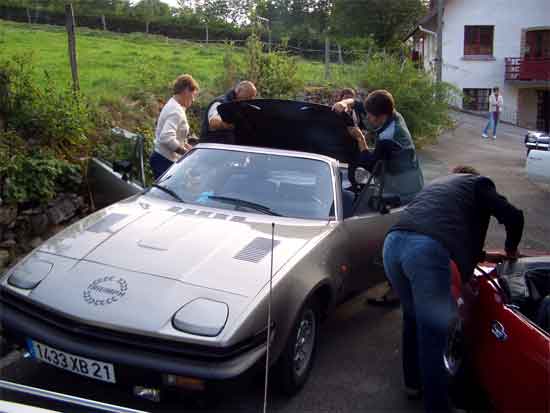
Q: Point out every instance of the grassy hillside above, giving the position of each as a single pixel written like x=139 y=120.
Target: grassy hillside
x=112 y=66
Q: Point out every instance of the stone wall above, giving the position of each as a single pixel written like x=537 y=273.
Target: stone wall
x=23 y=229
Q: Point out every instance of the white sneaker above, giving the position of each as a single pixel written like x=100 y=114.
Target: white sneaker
x=494 y=137
x=484 y=136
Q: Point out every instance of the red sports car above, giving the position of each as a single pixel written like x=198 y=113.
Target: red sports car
x=499 y=346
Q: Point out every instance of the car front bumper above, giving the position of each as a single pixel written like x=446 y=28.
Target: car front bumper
x=19 y=325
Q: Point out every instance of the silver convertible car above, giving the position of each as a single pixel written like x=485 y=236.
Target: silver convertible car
x=170 y=287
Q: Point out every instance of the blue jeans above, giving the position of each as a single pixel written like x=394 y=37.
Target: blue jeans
x=418 y=268
x=159 y=164
x=492 y=123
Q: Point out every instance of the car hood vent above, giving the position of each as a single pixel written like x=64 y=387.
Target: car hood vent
x=256 y=250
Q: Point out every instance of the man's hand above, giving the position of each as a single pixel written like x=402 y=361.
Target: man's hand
x=339 y=107
x=216 y=123
x=356 y=133
x=185 y=147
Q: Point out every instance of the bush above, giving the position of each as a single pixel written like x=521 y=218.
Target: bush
x=31 y=175
x=423 y=103
x=48 y=117
x=43 y=136
x=275 y=74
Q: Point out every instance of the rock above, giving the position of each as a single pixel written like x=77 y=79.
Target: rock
x=32 y=211
x=4 y=258
x=39 y=224
x=36 y=242
x=10 y=243
x=8 y=214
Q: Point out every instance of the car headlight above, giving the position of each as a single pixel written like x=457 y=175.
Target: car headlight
x=531 y=139
x=202 y=317
x=30 y=273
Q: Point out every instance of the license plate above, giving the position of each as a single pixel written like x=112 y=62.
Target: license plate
x=76 y=364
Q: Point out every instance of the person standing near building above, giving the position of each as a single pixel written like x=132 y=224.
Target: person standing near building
x=496 y=102
x=447 y=221
x=172 y=127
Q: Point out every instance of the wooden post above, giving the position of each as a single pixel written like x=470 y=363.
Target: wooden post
x=327 y=57
x=69 y=21
x=104 y=22
x=29 y=16
x=147 y=26
x=206 y=27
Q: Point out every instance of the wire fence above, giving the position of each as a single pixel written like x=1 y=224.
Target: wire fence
x=314 y=49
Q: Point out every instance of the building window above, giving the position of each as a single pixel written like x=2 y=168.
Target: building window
x=476 y=99
x=478 y=40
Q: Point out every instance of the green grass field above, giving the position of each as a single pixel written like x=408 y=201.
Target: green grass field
x=112 y=66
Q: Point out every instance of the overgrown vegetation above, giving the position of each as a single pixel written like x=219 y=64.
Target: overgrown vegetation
x=43 y=135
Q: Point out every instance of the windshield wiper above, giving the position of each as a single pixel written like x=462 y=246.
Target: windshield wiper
x=248 y=204
x=168 y=191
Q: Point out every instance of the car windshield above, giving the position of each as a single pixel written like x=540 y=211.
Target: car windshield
x=255 y=182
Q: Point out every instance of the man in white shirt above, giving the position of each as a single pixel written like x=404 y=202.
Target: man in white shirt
x=496 y=102
x=172 y=126
x=214 y=129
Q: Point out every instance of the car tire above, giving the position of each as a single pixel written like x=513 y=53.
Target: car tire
x=297 y=358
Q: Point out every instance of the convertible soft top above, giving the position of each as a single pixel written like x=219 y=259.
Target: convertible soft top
x=291 y=125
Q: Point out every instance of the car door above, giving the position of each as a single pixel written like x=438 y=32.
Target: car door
x=366 y=230
x=111 y=180
x=512 y=355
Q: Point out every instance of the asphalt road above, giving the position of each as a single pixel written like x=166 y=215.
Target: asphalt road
x=358 y=364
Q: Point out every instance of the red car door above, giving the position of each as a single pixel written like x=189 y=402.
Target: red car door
x=512 y=356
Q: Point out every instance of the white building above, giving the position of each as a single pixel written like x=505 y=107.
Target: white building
x=488 y=43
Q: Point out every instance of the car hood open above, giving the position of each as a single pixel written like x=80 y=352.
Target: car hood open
x=291 y=125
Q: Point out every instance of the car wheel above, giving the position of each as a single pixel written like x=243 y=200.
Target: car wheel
x=299 y=352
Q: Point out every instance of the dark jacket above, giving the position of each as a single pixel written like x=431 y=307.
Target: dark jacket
x=394 y=145
x=217 y=136
x=455 y=210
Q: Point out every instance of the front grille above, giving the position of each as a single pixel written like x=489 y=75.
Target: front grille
x=103 y=335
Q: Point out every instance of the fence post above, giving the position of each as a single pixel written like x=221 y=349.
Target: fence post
x=104 y=22
x=327 y=58
x=69 y=19
x=29 y=16
x=206 y=27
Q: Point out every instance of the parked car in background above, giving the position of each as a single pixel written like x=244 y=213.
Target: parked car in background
x=539 y=141
x=538 y=166
x=499 y=348
x=171 y=286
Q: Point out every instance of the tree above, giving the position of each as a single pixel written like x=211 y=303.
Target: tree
x=387 y=21
x=149 y=10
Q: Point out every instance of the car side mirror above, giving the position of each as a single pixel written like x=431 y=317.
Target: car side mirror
x=361 y=175
x=124 y=168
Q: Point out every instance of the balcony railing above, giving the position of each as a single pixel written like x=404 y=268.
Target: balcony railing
x=528 y=69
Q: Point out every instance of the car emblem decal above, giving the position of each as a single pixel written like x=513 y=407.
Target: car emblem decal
x=105 y=290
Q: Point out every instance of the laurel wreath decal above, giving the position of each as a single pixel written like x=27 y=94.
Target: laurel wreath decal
x=112 y=295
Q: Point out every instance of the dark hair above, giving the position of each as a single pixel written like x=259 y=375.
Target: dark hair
x=380 y=102
x=347 y=91
x=465 y=169
x=185 y=82
x=496 y=88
